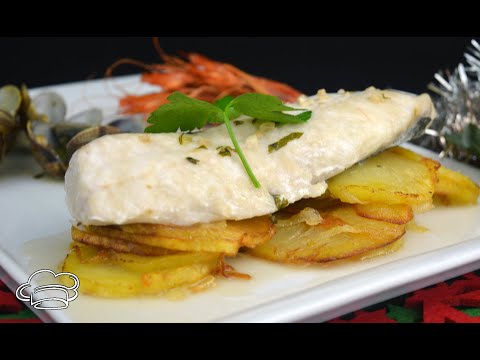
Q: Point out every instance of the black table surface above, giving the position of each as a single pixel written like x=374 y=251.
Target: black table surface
x=307 y=63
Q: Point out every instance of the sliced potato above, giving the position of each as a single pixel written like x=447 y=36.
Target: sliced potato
x=377 y=228
x=454 y=188
x=117 y=244
x=150 y=264
x=395 y=214
x=308 y=216
x=341 y=234
x=223 y=236
x=414 y=227
x=395 y=176
x=109 y=274
x=384 y=250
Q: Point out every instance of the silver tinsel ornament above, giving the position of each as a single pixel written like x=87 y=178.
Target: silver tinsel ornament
x=456 y=130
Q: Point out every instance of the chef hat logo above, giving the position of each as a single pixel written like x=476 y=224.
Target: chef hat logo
x=49 y=296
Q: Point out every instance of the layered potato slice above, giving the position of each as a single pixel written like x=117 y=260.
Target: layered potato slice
x=395 y=214
x=381 y=251
x=384 y=191
x=116 y=244
x=395 y=176
x=219 y=237
x=340 y=234
x=454 y=188
x=130 y=260
x=109 y=273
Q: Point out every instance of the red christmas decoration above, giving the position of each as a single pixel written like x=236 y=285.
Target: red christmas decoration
x=9 y=303
x=361 y=316
x=438 y=303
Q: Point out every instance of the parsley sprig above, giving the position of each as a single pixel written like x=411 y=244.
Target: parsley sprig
x=187 y=114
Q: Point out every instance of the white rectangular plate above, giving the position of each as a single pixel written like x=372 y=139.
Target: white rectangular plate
x=35 y=224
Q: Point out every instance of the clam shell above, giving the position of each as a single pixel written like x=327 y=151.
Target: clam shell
x=10 y=99
x=130 y=124
x=51 y=105
x=64 y=132
x=7 y=132
x=92 y=117
x=85 y=136
x=45 y=148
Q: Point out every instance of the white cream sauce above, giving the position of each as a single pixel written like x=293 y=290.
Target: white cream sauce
x=145 y=178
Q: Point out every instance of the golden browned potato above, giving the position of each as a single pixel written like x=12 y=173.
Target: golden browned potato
x=454 y=188
x=384 y=250
x=110 y=274
x=223 y=236
x=117 y=244
x=341 y=234
x=395 y=176
x=395 y=214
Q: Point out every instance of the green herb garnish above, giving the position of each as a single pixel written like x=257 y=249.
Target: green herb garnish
x=280 y=201
x=182 y=139
x=468 y=139
x=225 y=150
x=187 y=114
x=192 y=160
x=202 y=147
x=284 y=141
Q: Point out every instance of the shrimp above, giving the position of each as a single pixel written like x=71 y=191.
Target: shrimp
x=197 y=76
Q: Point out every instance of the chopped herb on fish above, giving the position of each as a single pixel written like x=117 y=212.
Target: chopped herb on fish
x=192 y=160
x=182 y=139
x=284 y=141
x=225 y=150
x=280 y=201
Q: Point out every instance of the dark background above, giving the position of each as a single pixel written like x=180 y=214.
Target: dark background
x=307 y=63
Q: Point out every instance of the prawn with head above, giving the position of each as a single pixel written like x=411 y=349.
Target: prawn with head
x=199 y=77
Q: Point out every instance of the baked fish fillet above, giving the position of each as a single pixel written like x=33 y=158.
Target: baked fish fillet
x=152 y=178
